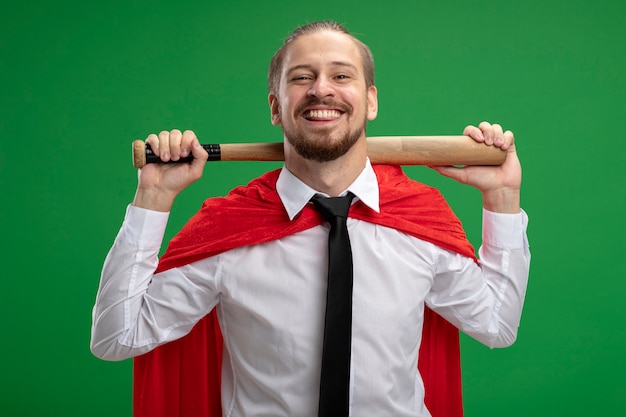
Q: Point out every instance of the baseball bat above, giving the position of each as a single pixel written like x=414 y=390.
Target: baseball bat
x=391 y=150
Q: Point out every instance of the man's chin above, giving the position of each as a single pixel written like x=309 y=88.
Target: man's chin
x=325 y=155
x=322 y=150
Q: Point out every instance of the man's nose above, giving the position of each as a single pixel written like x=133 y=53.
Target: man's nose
x=322 y=87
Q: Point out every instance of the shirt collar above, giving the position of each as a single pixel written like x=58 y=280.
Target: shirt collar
x=295 y=194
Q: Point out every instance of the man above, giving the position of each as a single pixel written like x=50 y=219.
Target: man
x=270 y=289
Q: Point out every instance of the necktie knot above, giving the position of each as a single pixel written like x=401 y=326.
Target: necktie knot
x=332 y=207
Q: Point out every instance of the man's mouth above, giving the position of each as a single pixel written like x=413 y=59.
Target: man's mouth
x=322 y=114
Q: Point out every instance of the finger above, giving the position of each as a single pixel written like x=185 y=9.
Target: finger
x=153 y=141
x=487 y=130
x=509 y=139
x=164 y=145
x=498 y=135
x=200 y=157
x=458 y=174
x=484 y=125
x=186 y=142
x=474 y=133
x=175 y=139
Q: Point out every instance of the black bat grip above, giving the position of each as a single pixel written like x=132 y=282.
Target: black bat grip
x=214 y=151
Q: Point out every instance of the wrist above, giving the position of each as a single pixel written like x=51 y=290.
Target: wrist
x=504 y=200
x=155 y=200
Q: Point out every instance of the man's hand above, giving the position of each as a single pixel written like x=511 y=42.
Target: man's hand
x=159 y=184
x=499 y=185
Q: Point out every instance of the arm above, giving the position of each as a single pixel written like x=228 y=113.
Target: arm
x=135 y=310
x=485 y=300
x=124 y=323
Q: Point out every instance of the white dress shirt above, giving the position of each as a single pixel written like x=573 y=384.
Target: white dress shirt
x=270 y=300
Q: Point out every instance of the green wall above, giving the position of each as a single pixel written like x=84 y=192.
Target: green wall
x=81 y=80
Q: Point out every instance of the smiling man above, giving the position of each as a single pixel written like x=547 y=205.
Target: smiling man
x=258 y=262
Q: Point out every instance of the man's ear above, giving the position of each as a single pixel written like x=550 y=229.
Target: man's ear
x=274 y=109
x=372 y=103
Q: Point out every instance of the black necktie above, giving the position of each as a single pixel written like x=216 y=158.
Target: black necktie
x=335 y=375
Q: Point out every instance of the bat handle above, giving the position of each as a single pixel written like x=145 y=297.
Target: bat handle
x=143 y=154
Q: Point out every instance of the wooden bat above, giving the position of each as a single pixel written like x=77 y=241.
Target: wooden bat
x=392 y=150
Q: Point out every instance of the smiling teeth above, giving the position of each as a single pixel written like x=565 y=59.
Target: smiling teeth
x=322 y=114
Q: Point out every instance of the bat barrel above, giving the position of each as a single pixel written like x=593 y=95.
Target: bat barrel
x=432 y=150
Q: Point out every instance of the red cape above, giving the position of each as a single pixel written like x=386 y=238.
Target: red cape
x=182 y=378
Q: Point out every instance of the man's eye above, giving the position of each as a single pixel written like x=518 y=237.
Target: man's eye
x=342 y=77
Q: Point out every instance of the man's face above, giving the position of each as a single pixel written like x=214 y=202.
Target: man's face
x=323 y=103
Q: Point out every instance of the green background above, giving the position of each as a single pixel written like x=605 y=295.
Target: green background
x=81 y=80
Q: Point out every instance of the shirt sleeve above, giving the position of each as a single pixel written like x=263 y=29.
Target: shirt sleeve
x=137 y=310
x=485 y=299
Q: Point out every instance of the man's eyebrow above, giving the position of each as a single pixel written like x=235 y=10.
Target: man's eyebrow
x=334 y=64
x=344 y=64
